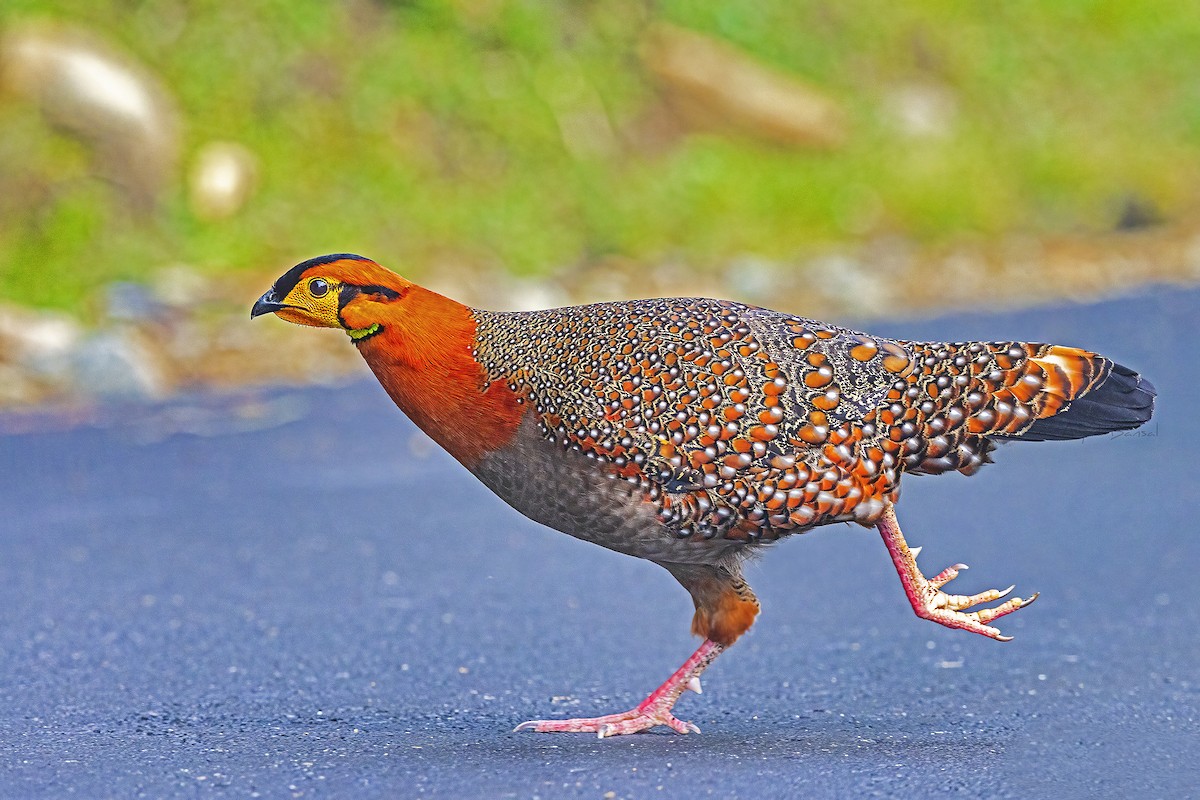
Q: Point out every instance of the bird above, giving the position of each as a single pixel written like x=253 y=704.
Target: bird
x=693 y=432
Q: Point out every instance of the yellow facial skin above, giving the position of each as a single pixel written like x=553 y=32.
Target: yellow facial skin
x=313 y=301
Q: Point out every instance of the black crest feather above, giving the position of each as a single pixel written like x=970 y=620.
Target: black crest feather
x=288 y=280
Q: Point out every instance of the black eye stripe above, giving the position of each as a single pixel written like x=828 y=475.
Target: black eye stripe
x=348 y=291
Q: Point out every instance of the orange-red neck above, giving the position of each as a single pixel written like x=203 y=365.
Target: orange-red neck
x=423 y=358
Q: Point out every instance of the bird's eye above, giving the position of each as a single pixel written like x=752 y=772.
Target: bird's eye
x=318 y=287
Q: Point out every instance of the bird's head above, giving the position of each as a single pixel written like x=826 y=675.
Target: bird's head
x=419 y=344
x=336 y=291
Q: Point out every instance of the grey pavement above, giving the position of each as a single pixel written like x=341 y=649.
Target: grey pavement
x=290 y=593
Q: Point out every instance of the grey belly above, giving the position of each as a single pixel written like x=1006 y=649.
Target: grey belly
x=572 y=493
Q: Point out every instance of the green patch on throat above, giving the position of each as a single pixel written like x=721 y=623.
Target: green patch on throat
x=358 y=334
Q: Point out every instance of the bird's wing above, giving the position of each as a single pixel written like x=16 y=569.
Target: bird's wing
x=711 y=402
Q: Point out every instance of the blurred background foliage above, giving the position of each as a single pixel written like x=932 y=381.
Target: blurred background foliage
x=539 y=138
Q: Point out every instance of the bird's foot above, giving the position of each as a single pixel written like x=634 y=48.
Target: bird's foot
x=645 y=716
x=930 y=602
x=653 y=711
x=954 y=610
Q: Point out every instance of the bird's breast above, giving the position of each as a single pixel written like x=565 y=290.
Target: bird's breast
x=566 y=490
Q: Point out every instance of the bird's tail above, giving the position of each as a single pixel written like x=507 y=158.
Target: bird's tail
x=1086 y=395
x=1014 y=390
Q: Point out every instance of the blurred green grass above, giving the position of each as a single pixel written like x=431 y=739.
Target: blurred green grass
x=430 y=133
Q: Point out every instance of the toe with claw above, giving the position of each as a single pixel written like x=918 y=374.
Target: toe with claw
x=926 y=595
x=634 y=721
x=655 y=710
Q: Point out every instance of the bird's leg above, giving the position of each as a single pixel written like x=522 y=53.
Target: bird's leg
x=926 y=595
x=654 y=710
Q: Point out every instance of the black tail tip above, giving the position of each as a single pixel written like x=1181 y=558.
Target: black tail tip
x=1124 y=400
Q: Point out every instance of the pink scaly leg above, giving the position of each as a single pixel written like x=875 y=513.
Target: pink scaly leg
x=654 y=710
x=926 y=595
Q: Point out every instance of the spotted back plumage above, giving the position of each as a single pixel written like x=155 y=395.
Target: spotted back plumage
x=743 y=423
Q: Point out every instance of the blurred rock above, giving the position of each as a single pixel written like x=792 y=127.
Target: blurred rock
x=118 y=364
x=223 y=177
x=35 y=354
x=88 y=90
x=754 y=279
x=845 y=285
x=604 y=279
x=1137 y=212
x=17 y=388
x=533 y=295
x=34 y=334
x=714 y=86
x=39 y=343
x=922 y=110
x=132 y=302
x=180 y=286
x=674 y=278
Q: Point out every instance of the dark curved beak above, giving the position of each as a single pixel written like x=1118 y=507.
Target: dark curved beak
x=266 y=304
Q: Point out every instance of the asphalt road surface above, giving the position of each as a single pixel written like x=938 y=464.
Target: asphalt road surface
x=293 y=594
